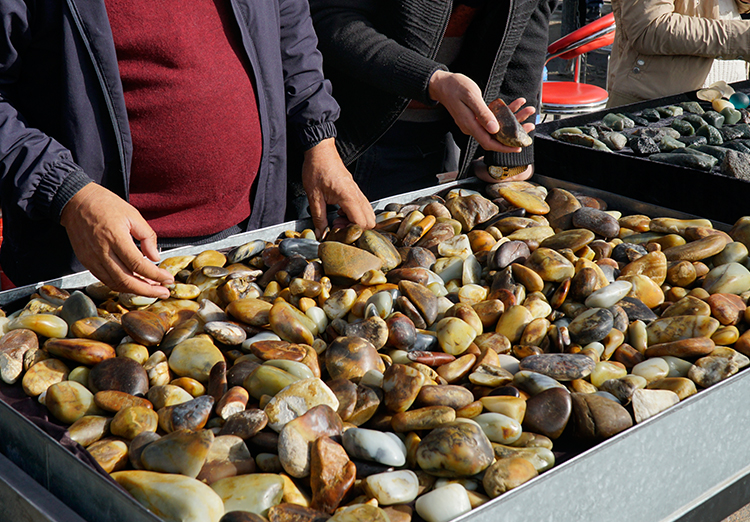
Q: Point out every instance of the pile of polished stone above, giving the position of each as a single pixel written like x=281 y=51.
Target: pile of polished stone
x=415 y=370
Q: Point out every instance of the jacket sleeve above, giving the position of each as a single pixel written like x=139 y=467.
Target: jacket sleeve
x=37 y=173
x=310 y=108
x=653 y=27
x=351 y=43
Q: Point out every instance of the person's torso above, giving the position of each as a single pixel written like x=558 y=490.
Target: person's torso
x=192 y=113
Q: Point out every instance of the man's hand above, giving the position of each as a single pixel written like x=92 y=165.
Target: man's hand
x=101 y=227
x=463 y=99
x=328 y=182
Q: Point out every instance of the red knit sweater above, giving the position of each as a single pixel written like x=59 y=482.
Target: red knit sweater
x=192 y=111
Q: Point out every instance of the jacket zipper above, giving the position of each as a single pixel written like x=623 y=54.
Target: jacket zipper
x=107 y=96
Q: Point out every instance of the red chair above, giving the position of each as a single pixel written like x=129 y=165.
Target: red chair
x=574 y=97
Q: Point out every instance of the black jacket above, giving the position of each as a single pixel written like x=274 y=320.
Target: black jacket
x=63 y=121
x=379 y=54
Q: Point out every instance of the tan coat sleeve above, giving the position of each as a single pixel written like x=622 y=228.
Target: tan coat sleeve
x=653 y=27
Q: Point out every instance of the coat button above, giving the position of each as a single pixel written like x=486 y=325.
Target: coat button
x=640 y=62
x=636 y=70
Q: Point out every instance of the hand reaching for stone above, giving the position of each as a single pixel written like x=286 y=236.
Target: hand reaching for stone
x=328 y=182
x=102 y=227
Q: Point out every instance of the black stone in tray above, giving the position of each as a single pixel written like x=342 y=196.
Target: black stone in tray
x=643 y=145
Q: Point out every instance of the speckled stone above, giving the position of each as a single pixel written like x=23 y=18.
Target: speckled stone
x=559 y=366
x=459 y=449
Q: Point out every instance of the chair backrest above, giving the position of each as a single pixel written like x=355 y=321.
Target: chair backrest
x=596 y=43
x=600 y=24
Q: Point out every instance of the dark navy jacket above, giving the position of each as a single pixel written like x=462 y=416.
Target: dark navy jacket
x=63 y=121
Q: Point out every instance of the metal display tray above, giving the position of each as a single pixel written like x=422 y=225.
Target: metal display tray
x=708 y=194
x=689 y=463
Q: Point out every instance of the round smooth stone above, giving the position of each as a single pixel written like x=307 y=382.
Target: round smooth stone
x=184 y=498
x=194 y=358
x=547 y=413
x=190 y=415
x=697 y=250
x=597 y=221
x=68 y=401
x=89 y=429
x=727 y=308
x=591 y=326
x=254 y=312
x=645 y=290
x=339 y=303
x=669 y=329
x=683 y=348
x=508 y=253
x=375 y=243
x=425 y=418
x=110 y=454
x=688 y=305
x=559 y=366
x=731 y=278
x=182 y=451
x=711 y=369
x=550 y=265
x=255 y=493
x=454 y=335
x=13 y=348
x=443 y=504
x=647 y=403
x=360 y=513
x=298 y=369
x=604 y=371
x=609 y=295
x=459 y=449
x=291 y=324
x=42 y=375
x=506 y=474
x=513 y=322
x=402 y=333
x=598 y=418
x=297 y=436
x=498 y=427
x=352 y=357
x=144 y=327
x=227 y=457
x=374 y=329
x=271 y=350
x=652 y=265
x=677 y=367
x=245 y=424
x=346 y=262
x=652 y=369
x=119 y=374
x=167 y=395
x=84 y=351
x=268 y=380
x=624 y=387
x=132 y=420
x=534 y=383
x=470 y=210
x=450 y=395
x=77 y=306
x=513 y=407
x=46 y=325
x=683 y=387
x=225 y=332
x=393 y=487
x=574 y=239
x=401 y=385
x=371 y=445
x=296 y=399
x=422 y=298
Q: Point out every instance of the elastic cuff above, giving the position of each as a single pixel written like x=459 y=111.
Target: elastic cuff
x=511 y=159
x=74 y=182
x=311 y=136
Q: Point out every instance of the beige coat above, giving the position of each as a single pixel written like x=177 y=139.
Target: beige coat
x=665 y=47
